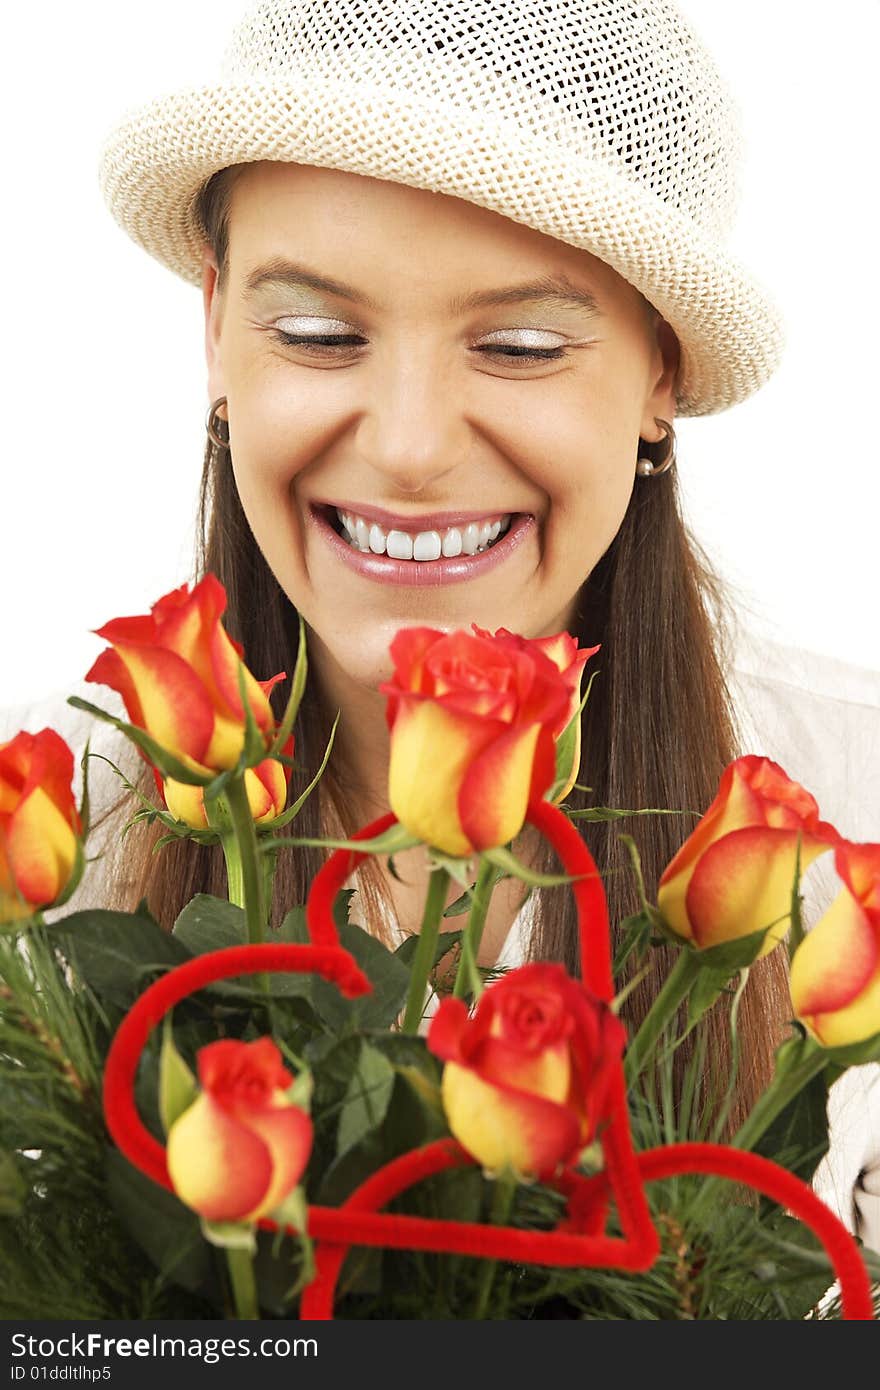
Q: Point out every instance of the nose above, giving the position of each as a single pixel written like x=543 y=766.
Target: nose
x=413 y=431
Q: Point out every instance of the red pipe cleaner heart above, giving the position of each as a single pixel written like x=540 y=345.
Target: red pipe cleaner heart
x=578 y=1239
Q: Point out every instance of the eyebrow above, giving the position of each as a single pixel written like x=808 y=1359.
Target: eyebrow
x=554 y=289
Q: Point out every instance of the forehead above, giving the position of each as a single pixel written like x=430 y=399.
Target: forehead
x=357 y=228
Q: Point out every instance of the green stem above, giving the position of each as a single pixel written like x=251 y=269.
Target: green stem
x=782 y=1089
x=676 y=987
x=250 y=883
x=467 y=980
x=779 y=1093
x=438 y=887
x=502 y=1201
x=234 y=875
x=244 y=1286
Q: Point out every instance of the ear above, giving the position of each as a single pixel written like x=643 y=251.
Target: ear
x=212 y=300
x=666 y=360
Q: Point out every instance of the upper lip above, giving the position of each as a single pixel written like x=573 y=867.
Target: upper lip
x=425 y=521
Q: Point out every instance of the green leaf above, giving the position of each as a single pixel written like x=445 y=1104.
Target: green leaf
x=566 y=746
x=230 y=1235
x=13 y=1188
x=178 y=1087
x=162 y=1226
x=463 y=905
x=503 y=859
x=117 y=953
x=266 y=827
x=387 y=974
x=609 y=813
x=209 y=924
x=446 y=940
x=706 y=988
x=458 y=869
x=648 y=908
x=166 y=762
x=366 y=1100
x=293 y=1212
x=731 y=956
x=635 y=939
x=254 y=750
x=796 y=933
x=798 y=1137
x=856 y=1054
x=300 y=1091
x=792 y=1265
x=297 y=687
x=391 y=841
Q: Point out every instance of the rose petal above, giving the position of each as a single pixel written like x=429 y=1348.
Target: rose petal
x=446 y=1029
x=287 y=1133
x=836 y=960
x=218 y=1167
x=500 y=1127
x=41 y=848
x=546 y=1073
x=186 y=803
x=494 y=791
x=744 y=882
x=431 y=750
x=173 y=705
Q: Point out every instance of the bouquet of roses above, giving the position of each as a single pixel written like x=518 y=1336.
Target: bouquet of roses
x=218 y=1118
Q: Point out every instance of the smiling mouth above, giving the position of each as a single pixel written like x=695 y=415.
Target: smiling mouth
x=425 y=557
x=368 y=537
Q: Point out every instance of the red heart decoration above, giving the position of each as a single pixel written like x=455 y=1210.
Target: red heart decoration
x=579 y=1239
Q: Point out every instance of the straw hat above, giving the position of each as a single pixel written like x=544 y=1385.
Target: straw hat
x=603 y=123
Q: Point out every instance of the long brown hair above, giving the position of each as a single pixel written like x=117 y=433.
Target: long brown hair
x=658 y=730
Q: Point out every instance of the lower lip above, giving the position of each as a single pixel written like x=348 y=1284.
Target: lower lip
x=424 y=572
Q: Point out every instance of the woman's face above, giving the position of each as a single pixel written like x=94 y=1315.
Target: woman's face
x=411 y=407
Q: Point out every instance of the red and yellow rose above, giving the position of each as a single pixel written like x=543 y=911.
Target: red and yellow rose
x=835 y=972
x=734 y=874
x=39 y=823
x=242 y=1146
x=569 y=660
x=473 y=722
x=526 y=1078
x=177 y=671
x=266 y=786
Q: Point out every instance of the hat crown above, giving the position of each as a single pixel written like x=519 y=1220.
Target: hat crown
x=626 y=82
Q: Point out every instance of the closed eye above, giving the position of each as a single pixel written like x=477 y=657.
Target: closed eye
x=333 y=343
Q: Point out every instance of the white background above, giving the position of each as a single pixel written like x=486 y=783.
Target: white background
x=103 y=382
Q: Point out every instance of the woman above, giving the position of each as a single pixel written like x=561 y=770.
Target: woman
x=462 y=265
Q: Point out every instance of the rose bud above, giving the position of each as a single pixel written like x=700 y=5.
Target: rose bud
x=526 y=1078
x=177 y=671
x=473 y=722
x=735 y=872
x=266 y=786
x=39 y=823
x=242 y=1146
x=835 y=972
x=569 y=660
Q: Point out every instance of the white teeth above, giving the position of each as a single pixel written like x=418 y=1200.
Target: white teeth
x=452 y=543
x=470 y=538
x=422 y=546
x=399 y=545
x=426 y=546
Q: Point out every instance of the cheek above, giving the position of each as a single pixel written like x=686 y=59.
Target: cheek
x=585 y=461
x=278 y=428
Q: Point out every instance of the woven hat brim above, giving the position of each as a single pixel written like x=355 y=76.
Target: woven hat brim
x=158 y=157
